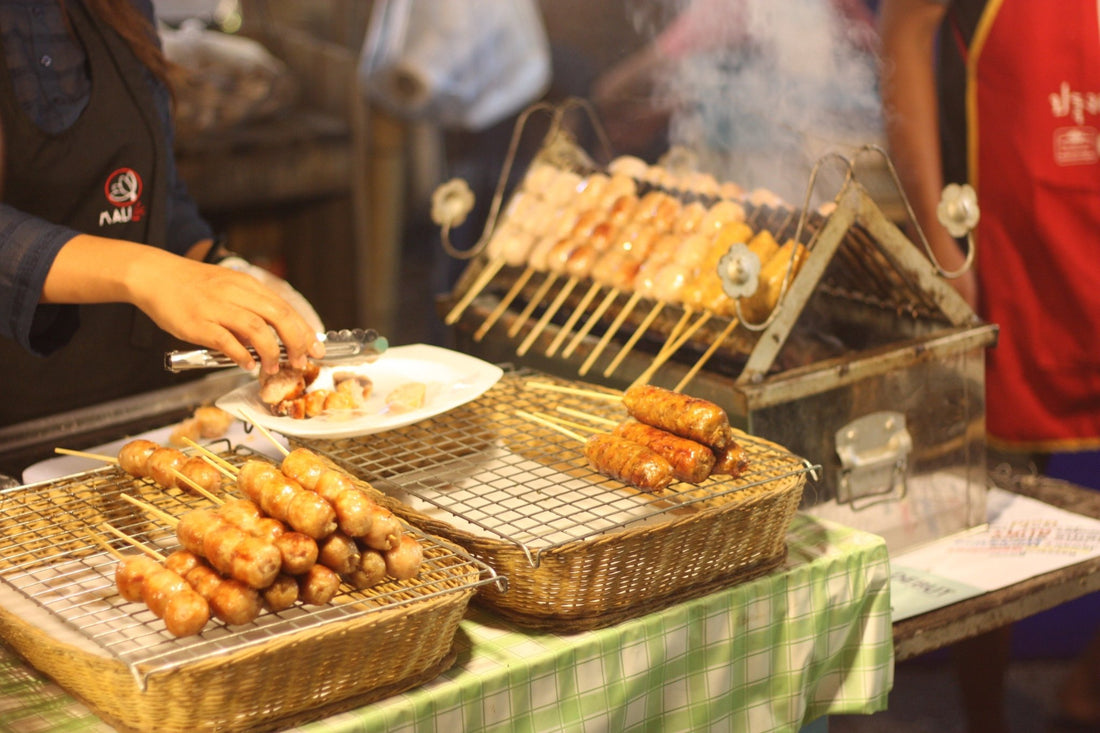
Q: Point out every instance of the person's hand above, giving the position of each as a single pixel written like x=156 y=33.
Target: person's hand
x=222 y=308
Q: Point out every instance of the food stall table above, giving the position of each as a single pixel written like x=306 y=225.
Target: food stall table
x=811 y=639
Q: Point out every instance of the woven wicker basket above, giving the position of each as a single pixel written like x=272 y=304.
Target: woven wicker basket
x=327 y=659
x=736 y=530
x=282 y=682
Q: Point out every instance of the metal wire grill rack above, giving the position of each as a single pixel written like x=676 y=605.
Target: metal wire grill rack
x=486 y=469
x=53 y=560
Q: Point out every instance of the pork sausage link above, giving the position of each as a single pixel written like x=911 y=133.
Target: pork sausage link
x=680 y=414
x=627 y=461
x=690 y=461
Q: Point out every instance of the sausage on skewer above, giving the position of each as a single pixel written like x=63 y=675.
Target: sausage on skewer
x=680 y=414
x=629 y=462
x=690 y=461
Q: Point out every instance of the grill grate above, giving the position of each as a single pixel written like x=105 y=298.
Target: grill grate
x=485 y=469
x=53 y=561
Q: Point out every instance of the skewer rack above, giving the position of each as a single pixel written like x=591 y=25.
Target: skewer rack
x=865 y=328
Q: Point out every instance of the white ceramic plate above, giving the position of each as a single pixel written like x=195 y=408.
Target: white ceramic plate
x=451 y=378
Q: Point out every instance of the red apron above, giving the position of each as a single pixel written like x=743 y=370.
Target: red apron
x=1034 y=97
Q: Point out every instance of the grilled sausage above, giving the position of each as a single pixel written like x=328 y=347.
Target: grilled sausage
x=339 y=552
x=282 y=593
x=163 y=465
x=690 y=461
x=680 y=414
x=234 y=602
x=200 y=472
x=186 y=613
x=134 y=457
x=731 y=460
x=371 y=570
x=130 y=574
x=318 y=586
x=403 y=561
x=629 y=462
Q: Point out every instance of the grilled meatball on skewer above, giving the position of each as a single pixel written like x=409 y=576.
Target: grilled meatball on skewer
x=356 y=512
x=286 y=500
x=228 y=548
x=165 y=592
x=298 y=551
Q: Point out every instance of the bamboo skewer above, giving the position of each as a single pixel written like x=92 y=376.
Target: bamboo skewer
x=550 y=312
x=264 y=432
x=706 y=355
x=150 y=509
x=85 y=454
x=506 y=301
x=540 y=293
x=213 y=458
x=638 y=332
x=572 y=320
x=198 y=489
x=567 y=423
x=587 y=416
x=671 y=348
x=591 y=322
x=129 y=540
x=483 y=278
x=551 y=387
x=550 y=424
x=611 y=331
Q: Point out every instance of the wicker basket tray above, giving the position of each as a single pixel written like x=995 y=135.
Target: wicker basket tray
x=60 y=611
x=578 y=551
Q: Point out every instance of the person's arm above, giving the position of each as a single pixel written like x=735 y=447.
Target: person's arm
x=204 y=304
x=908 y=29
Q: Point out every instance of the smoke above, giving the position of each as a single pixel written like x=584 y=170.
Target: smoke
x=771 y=86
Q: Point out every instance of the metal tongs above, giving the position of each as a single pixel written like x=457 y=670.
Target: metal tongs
x=346 y=347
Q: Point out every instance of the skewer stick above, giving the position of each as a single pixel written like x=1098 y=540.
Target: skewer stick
x=706 y=355
x=550 y=424
x=106 y=547
x=670 y=349
x=572 y=320
x=540 y=293
x=483 y=278
x=212 y=457
x=591 y=322
x=551 y=387
x=506 y=301
x=84 y=454
x=587 y=416
x=150 y=509
x=197 y=488
x=547 y=315
x=264 y=432
x=627 y=307
x=680 y=325
x=641 y=329
x=131 y=541
x=225 y=471
x=567 y=423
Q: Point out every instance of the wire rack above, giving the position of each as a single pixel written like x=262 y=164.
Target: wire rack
x=486 y=469
x=53 y=559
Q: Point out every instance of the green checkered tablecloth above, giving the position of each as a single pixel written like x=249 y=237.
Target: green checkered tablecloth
x=813 y=638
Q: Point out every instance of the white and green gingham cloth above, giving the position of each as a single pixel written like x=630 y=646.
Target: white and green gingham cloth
x=812 y=638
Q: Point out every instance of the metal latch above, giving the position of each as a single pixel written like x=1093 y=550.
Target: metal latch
x=874 y=457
